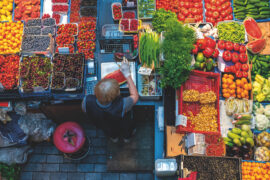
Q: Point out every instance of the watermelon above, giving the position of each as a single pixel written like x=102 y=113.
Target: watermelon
x=252 y=28
x=256 y=46
x=117 y=75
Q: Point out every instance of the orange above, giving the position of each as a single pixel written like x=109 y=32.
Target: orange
x=232 y=91
x=243 y=94
x=224 y=91
x=225 y=75
x=244 y=80
x=246 y=87
x=232 y=86
x=224 y=86
x=239 y=96
x=224 y=80
x=238 y=90
x=229 y=81
x=231 y=77
x=226 y=95
x=249 y=86
x=238 y=82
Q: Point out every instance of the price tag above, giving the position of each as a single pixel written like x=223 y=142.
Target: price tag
x=130 y=4
x=145 y=71
x=63 y=50
x=181 y=120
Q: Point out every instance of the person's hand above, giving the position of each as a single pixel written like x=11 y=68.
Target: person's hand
x=124 y=68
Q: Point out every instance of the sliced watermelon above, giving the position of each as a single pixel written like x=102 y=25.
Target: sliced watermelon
x=256 y=46
x=117 y=75
x=252 y=28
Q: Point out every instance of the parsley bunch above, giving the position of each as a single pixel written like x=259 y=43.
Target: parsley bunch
x=177 y=45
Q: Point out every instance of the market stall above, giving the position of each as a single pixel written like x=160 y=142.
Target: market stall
x=203 y=65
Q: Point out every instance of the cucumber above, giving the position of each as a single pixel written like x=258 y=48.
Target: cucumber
x=264 y=8
x=265 y=13
x=228 y=143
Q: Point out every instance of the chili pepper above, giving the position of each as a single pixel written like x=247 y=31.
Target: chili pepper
x=227 y=55
x=207 y=52
x=201 y=43
x=243 y=57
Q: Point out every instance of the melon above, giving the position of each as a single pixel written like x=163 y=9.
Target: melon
x=252 y=28
x=256 y=46
x=117 y=75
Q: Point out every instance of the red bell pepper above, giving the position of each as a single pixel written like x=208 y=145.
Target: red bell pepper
x=233 y=69
x=201 y=43
x=235 y=57
x=245 y=67
x=243 y=57
x=208 y=52
x=221 y=44
x=227 y=56
x=229 y=46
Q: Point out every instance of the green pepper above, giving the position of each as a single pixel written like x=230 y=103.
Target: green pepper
x=262 y=4
x=264 y=8
x=265 y=12
x=240 y=3
x=264 y=64
x=253 y=1
x=254 y=16
x=250 y=6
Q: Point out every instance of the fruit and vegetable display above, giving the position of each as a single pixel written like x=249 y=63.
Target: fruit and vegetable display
x=149 y=49
x=71 y=29
x=150 y=86
x=26 y=9
x=146 y=8
x=130 y=25
x=35 y=71
x=237 y=106
x=214 y=145
x=217 y=11
x=253 y=8
x=231 y=31
x=129 y=15
x=240 y=142
x=36 y=43
x=191 y=11
x=205 y=52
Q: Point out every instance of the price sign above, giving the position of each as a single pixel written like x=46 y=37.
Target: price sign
x=145 y=71
x=181 y=120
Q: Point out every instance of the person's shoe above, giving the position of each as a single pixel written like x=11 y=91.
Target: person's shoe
x=114 y=140
x=127 y=140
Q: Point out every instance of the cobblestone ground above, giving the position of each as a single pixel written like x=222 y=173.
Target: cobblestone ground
x=47 y=163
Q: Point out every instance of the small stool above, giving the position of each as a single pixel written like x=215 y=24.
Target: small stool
x=70 y=139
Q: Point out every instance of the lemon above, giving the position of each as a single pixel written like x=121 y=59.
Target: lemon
x=3 y=17
x=9 y=7
x=5 y=2
x=2 y=11
x=9 y=18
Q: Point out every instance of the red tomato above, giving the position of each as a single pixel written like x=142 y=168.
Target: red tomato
x=238 y=66
x=209 y=13
x=228 y=10
x=223 y=14
x=200 y=11
x=194 y=11
x=213 y=8
x=197 y=18
x=184 y=12
x=181 y=17
x=208 y=6
x=196 y=5
x=215 y=14
x=244 y=74
x=201 y=17
x=190 y=16
x=230 y=17
x=213 y=2
x=182 y=4
x=219 y=9
x=187 y=5
x=219 y=19
x=218 y=3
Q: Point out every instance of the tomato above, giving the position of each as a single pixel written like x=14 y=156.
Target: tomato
x=201 y=17
x=228 y=10
x=239 y=74
x=219 y=19
x=197 y=18
x=245 y=67
x=200 y=5
x=236 y=47
x=208 y=6
x=209 y=13
x=182 y=4
x=227 y=5
x=194 y=11
x=223 y=14
x=200 y=11
x=207 y=19
x=206 y=1
x=219 y=9
x=242 y=49
x=184 y=12
x=181 y=17
x=232 y=68
x=221 y=44
x=238 y=66
x=196 y=5
x=229 y=45
x=235 y=57
x=187 y=5
x=230 y=17
x=218 y=3
x=213 y=8
x=244 y=74
x=227 y=69
x=215 y=14
x=190 y=16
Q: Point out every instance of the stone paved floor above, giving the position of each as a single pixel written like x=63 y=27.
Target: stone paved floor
x=46 y=163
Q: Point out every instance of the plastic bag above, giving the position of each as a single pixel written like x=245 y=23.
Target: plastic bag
x=15 y=155
x=263 y=139
x=36 y=126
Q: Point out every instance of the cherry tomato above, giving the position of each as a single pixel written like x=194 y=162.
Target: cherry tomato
x=208 y=19
x=182 y=4
x=219 y=19
x=190 y=16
